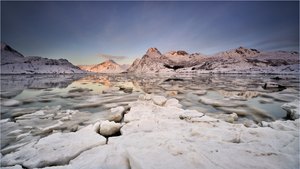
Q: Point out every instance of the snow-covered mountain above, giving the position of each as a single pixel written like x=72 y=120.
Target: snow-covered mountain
x=239 y=60
x=108 y=66
x=152 y=61
x=155 y=62
x=243 y=60
x=13 y=62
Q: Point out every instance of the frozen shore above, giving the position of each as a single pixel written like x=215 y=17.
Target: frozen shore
x=158 y=133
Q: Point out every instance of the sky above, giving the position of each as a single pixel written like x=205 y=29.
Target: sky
x=91 y=32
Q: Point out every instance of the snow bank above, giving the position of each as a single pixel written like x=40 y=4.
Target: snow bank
x=56 y=149
x=164 y=136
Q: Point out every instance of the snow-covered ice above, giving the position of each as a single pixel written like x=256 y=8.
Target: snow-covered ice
x=156 y=136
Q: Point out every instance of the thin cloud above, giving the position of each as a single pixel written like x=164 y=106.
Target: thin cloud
x=107 y=57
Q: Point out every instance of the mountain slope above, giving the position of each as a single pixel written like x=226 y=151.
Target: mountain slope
x=239 y=60
x=12 y=62
x=155 y=62
x=243 y=60
x=150 y=62
x=108 y=66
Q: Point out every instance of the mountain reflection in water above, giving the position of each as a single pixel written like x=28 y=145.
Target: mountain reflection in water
x=215 y=95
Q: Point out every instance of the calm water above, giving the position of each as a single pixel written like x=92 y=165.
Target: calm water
x=211 y=94
x=37 y=105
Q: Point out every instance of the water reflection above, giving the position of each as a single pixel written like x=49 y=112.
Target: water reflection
x=215 y=95
x=13 y=85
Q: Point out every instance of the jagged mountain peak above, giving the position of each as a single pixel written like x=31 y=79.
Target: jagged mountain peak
x=153 y=51
x=243 y=50
x=239 y=52
x=109 y=61
x=178 y=53
x=3 y=46
x=6 y=48
x=240 y=59
x=108 y=66
x=13 y=62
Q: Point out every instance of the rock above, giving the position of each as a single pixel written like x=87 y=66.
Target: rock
x=117 y=114
x=55 y=149
x=292 y=109
x=11 y=103
x=108 y=128
x=173 y=102
x=159 y=100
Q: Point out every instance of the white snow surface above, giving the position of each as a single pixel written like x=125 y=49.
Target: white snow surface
x=166 y=136
x=12 y=62
x=56 y=149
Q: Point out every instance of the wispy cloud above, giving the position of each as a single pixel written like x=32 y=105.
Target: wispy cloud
x=107 y=57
